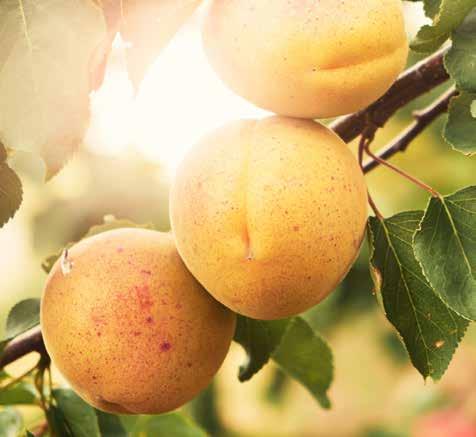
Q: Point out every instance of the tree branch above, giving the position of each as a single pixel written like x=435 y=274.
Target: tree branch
x=413 y=83
x=423 y=119
x=32 y=341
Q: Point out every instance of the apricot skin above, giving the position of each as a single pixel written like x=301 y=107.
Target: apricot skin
x=307 y=58
x=129 y=327
x=269 y=215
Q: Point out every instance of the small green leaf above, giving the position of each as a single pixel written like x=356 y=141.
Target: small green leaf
x=22 y=393
x=461 y=59
x=49 y=261
x=460 y=130
x=305 y=356
x=81 y=417
x=110 y=223
x=170 y=425
x=432 y=7
x=110 y=425
x=11 y=423
x=29 y=434
x=23 y=316
x=430 y=330
x=451 y=14
x=445 y=246
x=259 y=339
x=11 y=192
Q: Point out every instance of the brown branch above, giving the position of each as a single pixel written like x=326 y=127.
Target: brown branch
x=32 y=341
x=414 y=82
x=423 y=119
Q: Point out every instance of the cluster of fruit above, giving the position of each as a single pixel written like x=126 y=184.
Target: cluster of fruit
x=267 y=215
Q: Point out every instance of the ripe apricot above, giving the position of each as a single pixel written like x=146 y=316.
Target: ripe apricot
x=129 y=327
x=307 y=58
x=269 y=215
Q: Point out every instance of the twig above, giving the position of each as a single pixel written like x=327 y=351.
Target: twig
x=401 y=172
x=423 y=119
x=364 y=143
x=413 y=83
x=374 y=207
x=17 y=379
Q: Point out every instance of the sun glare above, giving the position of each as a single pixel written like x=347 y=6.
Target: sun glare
x=179 y=101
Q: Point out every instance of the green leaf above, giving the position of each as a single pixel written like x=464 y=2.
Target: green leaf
x=22 y=393
x=29 y=434
x=170 y=425
x=44 y=75
x=11 y=423
x=58 y=423
x=11 y=191
x=445 y=246
x=451 y=14
x=460 y=130
x=110 y=223
x=81 y=417
x=110 y=425
x=461 y=59
x=305 y=356
x=432 y=7
x=430 y=331
x=23 y=316
x=294 y=346
x=259 y=339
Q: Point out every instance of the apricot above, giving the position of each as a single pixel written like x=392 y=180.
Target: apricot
x=307 y=58
x=269 y=215
x=129 y=327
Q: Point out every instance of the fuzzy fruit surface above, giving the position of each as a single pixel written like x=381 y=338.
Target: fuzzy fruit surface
x=269 y=215
x=129 y=327
x=307 y=58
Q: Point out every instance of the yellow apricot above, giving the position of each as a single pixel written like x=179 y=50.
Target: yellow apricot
x=307 y=58
x=269 y=215
x=129 y=327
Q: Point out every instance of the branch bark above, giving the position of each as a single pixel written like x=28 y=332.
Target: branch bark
x=423 y=119
x=413 y=83
x=32 y=341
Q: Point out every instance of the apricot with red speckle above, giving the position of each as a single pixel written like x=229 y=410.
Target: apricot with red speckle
x=307 y=58
x=125 y=340
x=269 y=215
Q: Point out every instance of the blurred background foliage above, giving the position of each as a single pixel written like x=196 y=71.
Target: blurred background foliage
x=376 y=392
